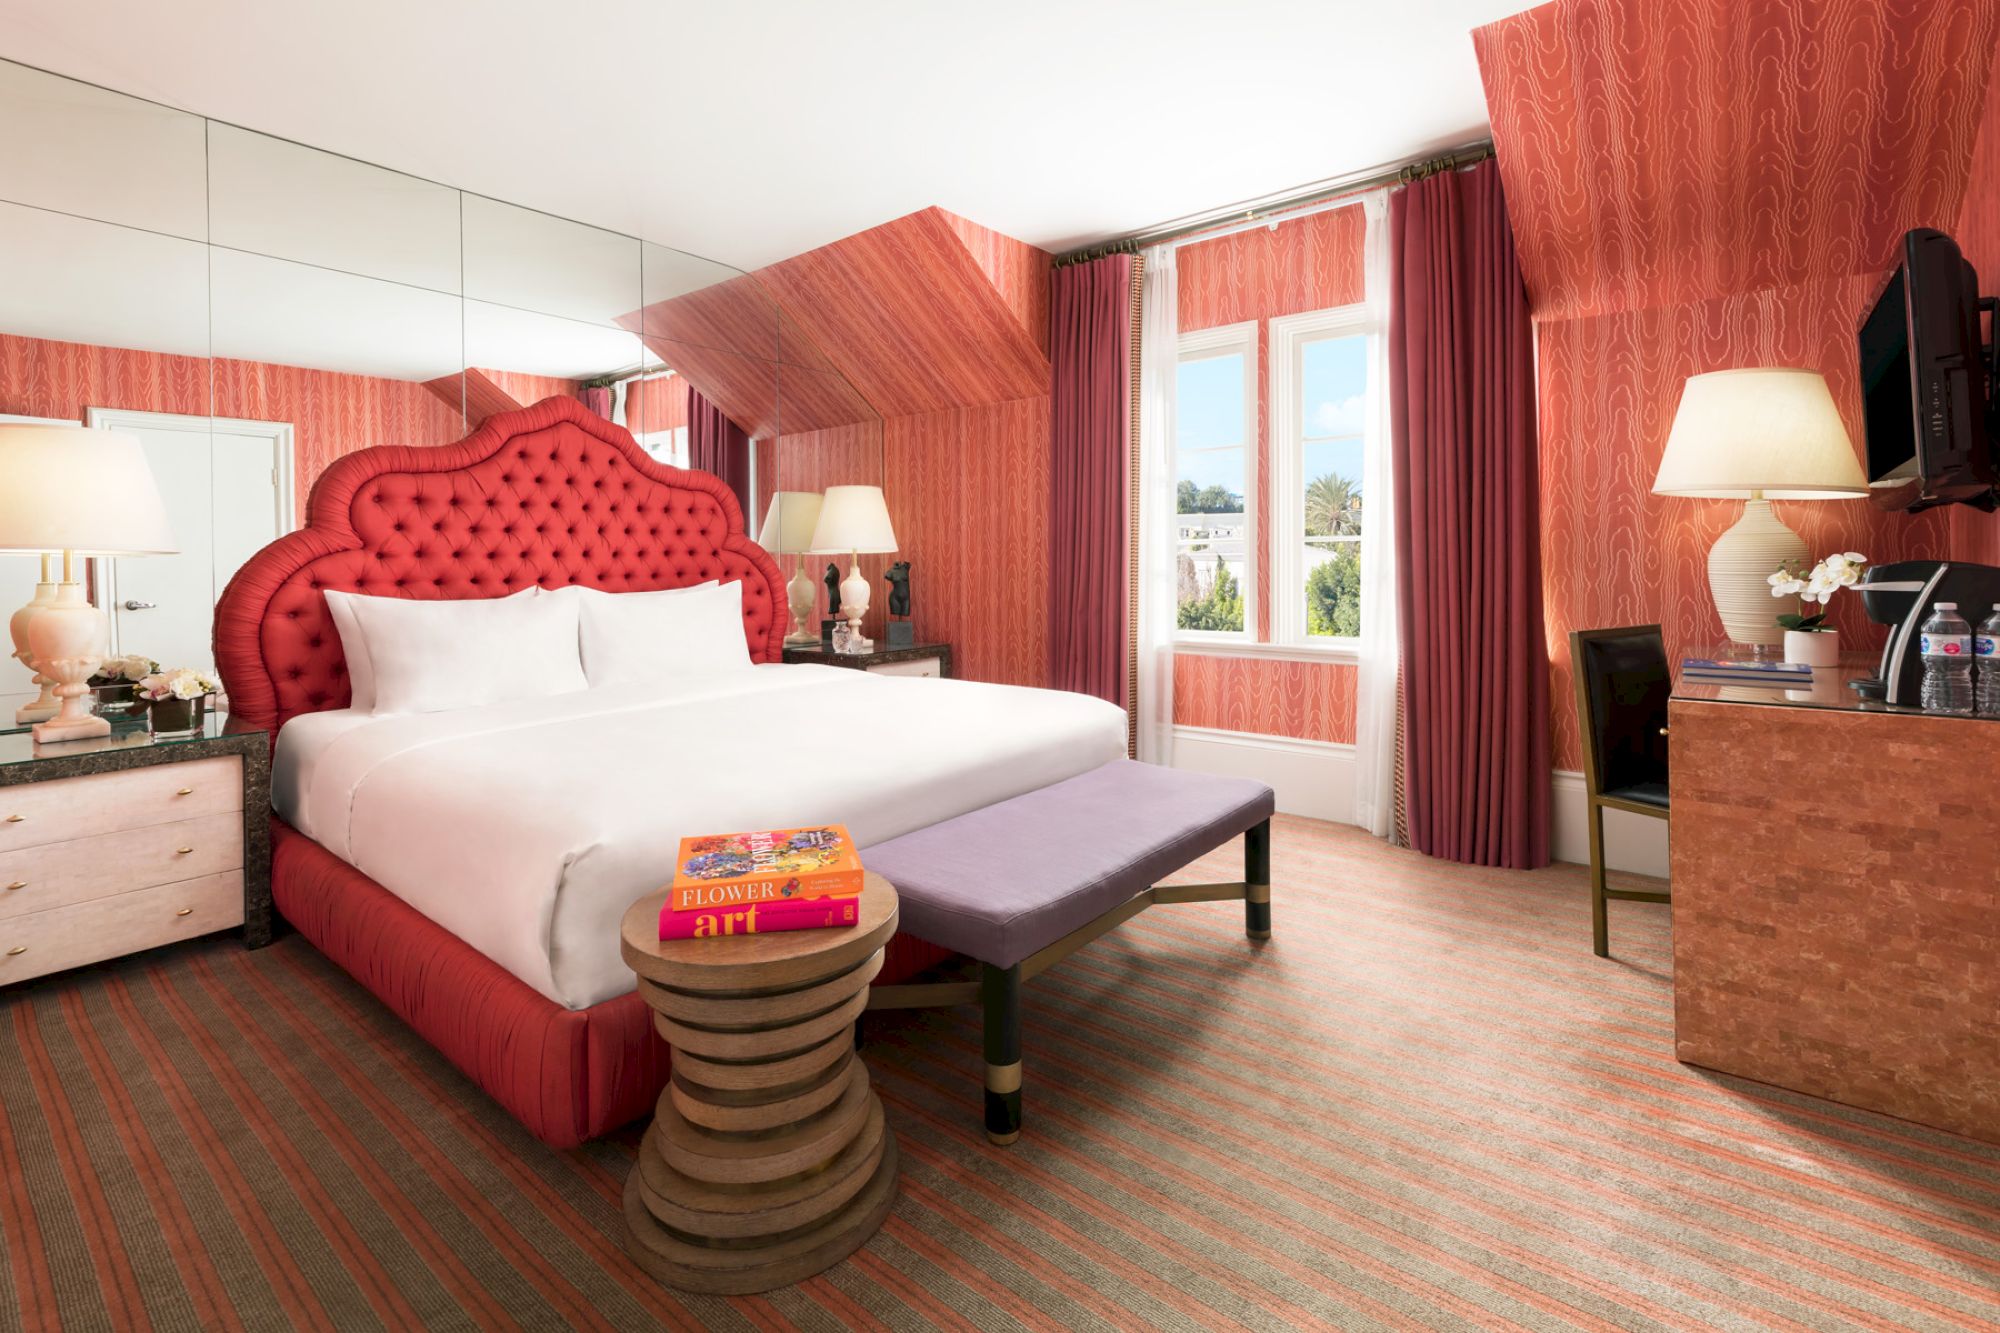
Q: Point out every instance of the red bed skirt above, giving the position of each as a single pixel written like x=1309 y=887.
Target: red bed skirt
x=566 y=1074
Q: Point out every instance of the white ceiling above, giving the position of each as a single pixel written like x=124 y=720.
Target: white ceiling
x=749 y=132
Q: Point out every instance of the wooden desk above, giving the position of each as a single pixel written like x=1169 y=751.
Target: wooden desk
x=1836 y=902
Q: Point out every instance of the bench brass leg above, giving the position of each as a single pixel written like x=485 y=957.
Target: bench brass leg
x=1257 y=882
x=1000 y=998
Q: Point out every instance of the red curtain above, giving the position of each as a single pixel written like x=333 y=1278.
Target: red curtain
x=1468 y=537
x=717 y=444
x=1090 y=348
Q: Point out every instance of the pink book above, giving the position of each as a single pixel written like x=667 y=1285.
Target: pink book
x=704 y=923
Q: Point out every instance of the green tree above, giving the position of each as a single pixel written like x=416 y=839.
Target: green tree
x=1221 y=609
x=1333 y=507
x=1333 y=593
x=1218 y=500
x=1192 y=499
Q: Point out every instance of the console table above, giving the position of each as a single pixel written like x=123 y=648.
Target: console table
x=1836 y=898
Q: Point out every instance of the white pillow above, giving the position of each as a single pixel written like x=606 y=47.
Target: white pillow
x=429 y=656
x=630 y=637
x=354 y=644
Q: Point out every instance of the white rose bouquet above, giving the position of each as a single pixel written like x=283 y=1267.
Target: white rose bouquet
x=180 y=683
x=1817 y=586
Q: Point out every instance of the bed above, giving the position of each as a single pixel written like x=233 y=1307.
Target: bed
x=469 y=866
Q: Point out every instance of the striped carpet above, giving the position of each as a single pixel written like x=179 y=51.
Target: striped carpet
x=1424 y=1104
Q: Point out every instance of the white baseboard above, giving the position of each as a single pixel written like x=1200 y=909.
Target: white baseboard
x=1311 y=778
x=1637 y=843
x=1316 y=779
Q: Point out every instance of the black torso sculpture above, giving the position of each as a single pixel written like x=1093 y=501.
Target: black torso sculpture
x=897 y=576
x=832 y=581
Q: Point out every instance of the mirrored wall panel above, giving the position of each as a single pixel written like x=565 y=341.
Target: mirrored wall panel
x=254 y=309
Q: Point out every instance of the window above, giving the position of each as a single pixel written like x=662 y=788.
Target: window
x=1322 y=396
x=667 y=446
x=1215 y=460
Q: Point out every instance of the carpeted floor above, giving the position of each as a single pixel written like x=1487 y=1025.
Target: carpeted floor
x=1423 y=1104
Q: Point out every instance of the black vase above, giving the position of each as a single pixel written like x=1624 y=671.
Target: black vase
x=170 y=717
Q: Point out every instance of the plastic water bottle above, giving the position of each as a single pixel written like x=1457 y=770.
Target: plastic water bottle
x=1986 y=665
x=1947 y=649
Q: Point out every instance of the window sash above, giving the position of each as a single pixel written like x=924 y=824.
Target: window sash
x=1289 y=338
x=1204 y=344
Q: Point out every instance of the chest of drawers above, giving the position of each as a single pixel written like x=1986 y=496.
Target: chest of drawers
x=127 y=842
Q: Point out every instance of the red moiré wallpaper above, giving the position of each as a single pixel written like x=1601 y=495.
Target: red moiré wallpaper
x=331 y=414
x=968 y=491
x=1696 y=186
x=1262 y=274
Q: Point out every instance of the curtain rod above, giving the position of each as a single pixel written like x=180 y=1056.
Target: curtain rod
x=1258 y=210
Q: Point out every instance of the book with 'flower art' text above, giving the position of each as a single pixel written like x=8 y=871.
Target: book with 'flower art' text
x=768 y=867
x=706 y=923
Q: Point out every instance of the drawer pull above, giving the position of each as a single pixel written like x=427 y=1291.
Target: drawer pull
x=17 y=884
x=182 y=851
x=15 y=819
x=17 y=949
x=185 y=791
x=184 y=911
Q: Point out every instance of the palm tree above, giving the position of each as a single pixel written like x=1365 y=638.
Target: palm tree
x=1333 y=507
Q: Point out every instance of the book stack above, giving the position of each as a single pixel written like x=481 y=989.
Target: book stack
x=756 y=883
x=1767 y=672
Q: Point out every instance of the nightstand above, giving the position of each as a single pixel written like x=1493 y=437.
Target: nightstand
x=917 y=659
x=130 y=841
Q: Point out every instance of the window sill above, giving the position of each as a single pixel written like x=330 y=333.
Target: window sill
x=1283 y=652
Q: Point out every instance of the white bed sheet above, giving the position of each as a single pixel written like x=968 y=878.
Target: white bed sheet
x=527 y=828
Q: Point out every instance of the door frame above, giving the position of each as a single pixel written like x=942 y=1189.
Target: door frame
x=280 y=435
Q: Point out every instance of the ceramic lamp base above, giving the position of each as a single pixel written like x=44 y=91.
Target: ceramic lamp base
x=68 y=639
x=800 y=594
x=42 y=709
x=1740 y=565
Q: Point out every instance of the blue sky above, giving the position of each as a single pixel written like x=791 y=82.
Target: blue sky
x=1210 y=412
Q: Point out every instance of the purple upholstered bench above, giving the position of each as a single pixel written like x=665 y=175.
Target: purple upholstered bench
x=1020 y=885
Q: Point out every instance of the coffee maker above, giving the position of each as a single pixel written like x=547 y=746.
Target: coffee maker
x=1901 y=595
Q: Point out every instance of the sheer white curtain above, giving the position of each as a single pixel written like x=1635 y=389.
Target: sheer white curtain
x=1159 y=360
x=1375 y=686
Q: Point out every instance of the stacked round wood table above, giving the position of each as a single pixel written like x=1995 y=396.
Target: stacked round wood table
x=768 y=1159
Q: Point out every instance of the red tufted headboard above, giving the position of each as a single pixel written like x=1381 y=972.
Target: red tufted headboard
x=552 y=494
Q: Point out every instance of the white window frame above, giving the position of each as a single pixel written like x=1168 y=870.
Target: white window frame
x=1200 y=345
x=1289 y=335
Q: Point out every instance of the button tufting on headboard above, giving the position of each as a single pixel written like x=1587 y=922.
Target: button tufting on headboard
x=398 y=520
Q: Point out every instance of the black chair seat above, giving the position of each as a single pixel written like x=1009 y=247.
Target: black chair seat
x=1641 y=793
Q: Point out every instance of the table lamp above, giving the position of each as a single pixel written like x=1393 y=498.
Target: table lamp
x=854 y=519
x=80 y=492
x=788 y=530
x=1757 y=435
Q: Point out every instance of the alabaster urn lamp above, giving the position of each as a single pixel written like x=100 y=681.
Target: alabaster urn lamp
x=788 y=530
x=1757 y=435
x=81 y=493
x=854 y=520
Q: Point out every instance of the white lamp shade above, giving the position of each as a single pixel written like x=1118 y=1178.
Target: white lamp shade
x=789 y=523
x=65 y=488
x=1761 y=431
x=853 y=518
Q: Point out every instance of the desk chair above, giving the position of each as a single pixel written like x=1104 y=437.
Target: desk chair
x=1622 y=686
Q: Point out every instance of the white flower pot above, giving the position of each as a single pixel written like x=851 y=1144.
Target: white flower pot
x=1815 y=648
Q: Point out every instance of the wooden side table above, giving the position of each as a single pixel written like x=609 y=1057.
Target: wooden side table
x=768 y=1159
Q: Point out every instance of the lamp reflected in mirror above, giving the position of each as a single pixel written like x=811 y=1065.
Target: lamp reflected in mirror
x=788 y=530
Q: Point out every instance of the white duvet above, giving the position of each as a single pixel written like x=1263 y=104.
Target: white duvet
x=526 y=829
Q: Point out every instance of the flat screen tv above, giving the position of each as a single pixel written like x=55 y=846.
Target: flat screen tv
x=1926 y=383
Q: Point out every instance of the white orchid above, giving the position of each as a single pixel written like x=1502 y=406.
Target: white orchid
x=181 y=683
x=1817 y=585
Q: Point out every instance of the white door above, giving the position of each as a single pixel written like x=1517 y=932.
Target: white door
x=18 y=575
x=227 y=486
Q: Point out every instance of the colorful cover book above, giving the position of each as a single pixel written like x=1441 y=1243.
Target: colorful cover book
x=1708 y=666
x=775 y=865
x=759 y=918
